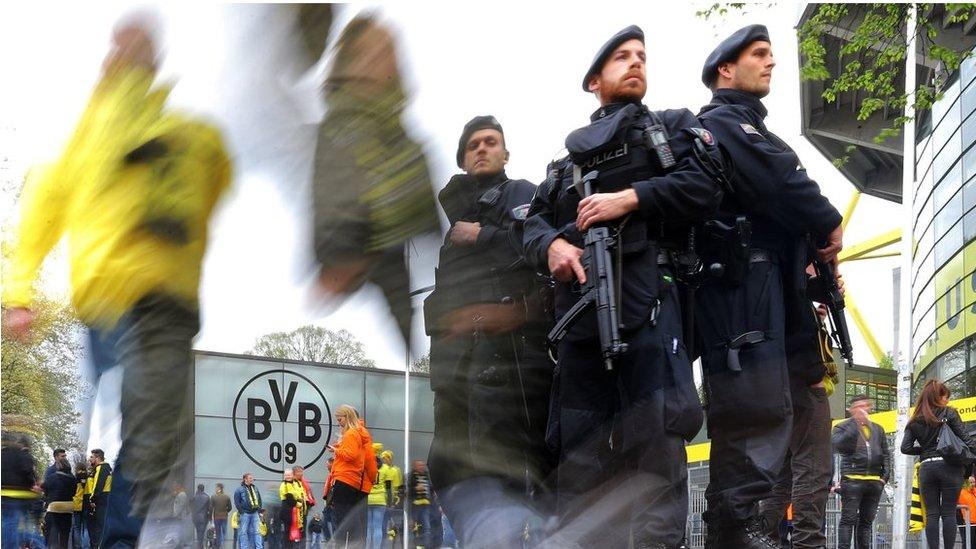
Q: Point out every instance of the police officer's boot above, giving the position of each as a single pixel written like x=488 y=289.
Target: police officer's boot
x=750 y=534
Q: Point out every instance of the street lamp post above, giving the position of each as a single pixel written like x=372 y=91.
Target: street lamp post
x=903 y=340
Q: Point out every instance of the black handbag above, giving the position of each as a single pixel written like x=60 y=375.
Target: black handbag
x=951 y=447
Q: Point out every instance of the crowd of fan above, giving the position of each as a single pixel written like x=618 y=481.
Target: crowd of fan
x=66 y=508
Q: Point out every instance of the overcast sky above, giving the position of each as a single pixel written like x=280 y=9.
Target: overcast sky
x=522 y=62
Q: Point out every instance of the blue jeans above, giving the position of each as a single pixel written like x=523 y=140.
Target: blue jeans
x=421 y=516
x=220 y=531
x=79 y=531
x=19 y=524
x=247 y=531
x=375 y=522
x=316 y=539
x=484 y=511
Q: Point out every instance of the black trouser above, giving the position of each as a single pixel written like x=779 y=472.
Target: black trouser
x=153 y=347
x=749 y=411
x=201 y=528
x=858 y=507
x=489 y=430
x=57 y=527
x=648 y=403
x=939 y=483
x=96 y=519
x=806 y=473
x=349 y=510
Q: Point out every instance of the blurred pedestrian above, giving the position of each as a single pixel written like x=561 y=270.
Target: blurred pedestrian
x=309 y=497
x=98 y=489
x=421 y=502
x=79 y=527
x=221 y=510
x=59 y=492
x=133 y=191
x=202 y=510
x=371 y=187
x=20 y=493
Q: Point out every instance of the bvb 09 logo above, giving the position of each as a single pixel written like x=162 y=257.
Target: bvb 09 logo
x=279 y=416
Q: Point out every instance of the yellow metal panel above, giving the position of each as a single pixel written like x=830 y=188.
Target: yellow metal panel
x=863 y=327
x=849 y=212
x=870 y=245
x=965 y=406
x=875 y=256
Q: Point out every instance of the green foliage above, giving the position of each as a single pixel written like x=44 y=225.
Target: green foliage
x=313 y=344
x=421 y=365
x=874 y=55
x=40 y=380
x=887 y=362
x=720 y=10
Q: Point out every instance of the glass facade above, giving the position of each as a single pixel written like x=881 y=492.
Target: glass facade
x=944 y=236
x=880 y=385
x=262 y=415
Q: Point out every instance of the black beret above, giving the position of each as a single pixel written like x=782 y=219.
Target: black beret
x=730 y=48
x=475 y=124
x=630 y=33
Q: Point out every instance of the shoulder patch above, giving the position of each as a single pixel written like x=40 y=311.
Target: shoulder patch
x=519 y=213
x=704 y=135
x=749 y=129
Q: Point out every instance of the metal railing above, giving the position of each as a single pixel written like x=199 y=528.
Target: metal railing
x=880 y=539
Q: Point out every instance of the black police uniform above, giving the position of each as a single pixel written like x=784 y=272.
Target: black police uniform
x=648 y=402
x=490 y=391
x=748 y=404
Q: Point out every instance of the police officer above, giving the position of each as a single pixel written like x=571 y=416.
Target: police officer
x=759 y=237
x=649 y=186
x=489 y=370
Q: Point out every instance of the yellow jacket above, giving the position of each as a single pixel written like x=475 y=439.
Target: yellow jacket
x=79 y=496
x=297 y=490
x=377 y=496
x=133 y=191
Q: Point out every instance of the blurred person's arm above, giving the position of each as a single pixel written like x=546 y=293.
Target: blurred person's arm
x=340 y=221
x=119 y=108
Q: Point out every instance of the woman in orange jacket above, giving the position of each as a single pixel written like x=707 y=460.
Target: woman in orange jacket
x=349 y=476
x=967 y=498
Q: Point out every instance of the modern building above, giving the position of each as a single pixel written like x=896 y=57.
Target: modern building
x=943 y=277
x=262 y=415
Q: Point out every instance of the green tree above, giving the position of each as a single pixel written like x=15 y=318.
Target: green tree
x=41 y=383
x=421 y=365
x=887 y=362
x=313 y=344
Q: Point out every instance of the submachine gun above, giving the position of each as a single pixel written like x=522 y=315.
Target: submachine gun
x=824 y=289
x=599 y=290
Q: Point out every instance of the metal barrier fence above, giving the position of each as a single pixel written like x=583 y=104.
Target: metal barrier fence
x=882 y=525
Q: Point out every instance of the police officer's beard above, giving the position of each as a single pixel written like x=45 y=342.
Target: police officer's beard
x=627 y=94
